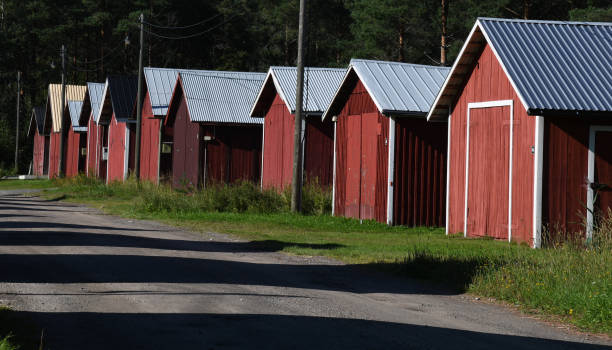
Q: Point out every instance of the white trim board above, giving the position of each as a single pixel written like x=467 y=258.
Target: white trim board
x=333 y=208
x=448 y=154
x=126 y=151
x=390 y=170
x=538 y=168
x=263 y=149
x=489 y=104
x=591 y=176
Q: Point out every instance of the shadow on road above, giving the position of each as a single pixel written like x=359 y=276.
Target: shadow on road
x=257 y=331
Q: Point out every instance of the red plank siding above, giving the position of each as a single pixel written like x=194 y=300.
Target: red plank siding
x=149 y=143
x=603 y=172
x=319 y=150
x=488 y=82
x=116 y=150
x=277 y=169
x=420 y=162
x=72 y=152
x=38 y=156
x=186 y=148
x=233 y=154
x=93 y=148
x=54 y=146
x=361 y=158
x=103 y=142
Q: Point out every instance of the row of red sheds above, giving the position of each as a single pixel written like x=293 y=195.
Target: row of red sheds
x=513 y=140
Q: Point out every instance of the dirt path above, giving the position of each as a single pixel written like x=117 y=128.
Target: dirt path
x=100 y=282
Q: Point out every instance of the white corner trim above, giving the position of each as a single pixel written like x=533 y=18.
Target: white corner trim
x=390 y=171
x=159 y=148
x=538 y=168
x=489 y=104
x=263 y=149
x=591 y=176
x=87 y=155
x=108 y=149
x=448 y=153
x=333 y=208
x=126 y=151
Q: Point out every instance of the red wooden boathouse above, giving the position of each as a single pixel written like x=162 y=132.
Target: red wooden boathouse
x=276 y=104
x=76 y=140
x=89 y=111
x=116 y=128
x=389 y=164
x=54 y=118
x=215 y=140
x=529 y=106
x=40 y=156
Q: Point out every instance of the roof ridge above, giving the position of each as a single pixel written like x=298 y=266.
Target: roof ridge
x=400 y=63
x=541 y=21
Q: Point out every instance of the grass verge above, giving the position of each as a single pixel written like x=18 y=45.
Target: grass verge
x=568 y=282
x=25 y=184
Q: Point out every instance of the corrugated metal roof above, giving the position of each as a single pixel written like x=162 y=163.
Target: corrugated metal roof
x=74 y=109
x=553 y=66
x=556 y=65
x=119 y=97
x=96 y=91
x=320 y=85
x=221 y=99
x=38 y=118
x=396 y=88
x=54 y=105
x=161 y=82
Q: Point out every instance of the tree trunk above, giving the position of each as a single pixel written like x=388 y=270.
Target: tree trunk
x=400 y=56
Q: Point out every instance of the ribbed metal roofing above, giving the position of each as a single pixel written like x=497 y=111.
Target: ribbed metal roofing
x=396 y=88
x=553 y=66
x=221 y=99
x=119 y=97
x=556 y=65
x=38 y=118
x=74 y=109
x=161 y=82
x=53 y=114
x=95 y=90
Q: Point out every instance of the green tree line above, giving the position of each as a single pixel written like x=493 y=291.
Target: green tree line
x=101 y=38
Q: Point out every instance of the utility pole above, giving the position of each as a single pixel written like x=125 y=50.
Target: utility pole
x=443 y=39
x=296 y=185
x=139 y=102
x=17 y=128
x=62 y=130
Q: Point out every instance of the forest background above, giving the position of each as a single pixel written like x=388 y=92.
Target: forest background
x=101 y=38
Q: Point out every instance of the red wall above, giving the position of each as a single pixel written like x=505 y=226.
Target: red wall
x=38 y=157
x=361 y=158
x=149 y=142
x=54 y=146
x=116 y=150
x=186 y=148
x=564 y=191
x=93 y=147
x=234 y=154
x=420 y=172
x=72 y=152
x=488 y=82
x=319 y=151
x=279 y=125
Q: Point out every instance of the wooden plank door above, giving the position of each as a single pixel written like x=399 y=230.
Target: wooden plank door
x=488 y=190
x=353 y=166
x=603 y=172
x=369 y=152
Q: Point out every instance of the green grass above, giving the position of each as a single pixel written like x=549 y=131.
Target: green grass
x=569 y=283
x=25 y=184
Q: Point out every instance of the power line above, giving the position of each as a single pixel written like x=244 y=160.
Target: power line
x=182 y=27
x=191 y=35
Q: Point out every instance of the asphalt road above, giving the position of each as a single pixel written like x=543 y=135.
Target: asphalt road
x=100 y=282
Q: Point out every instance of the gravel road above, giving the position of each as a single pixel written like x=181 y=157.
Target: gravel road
x=95 y=281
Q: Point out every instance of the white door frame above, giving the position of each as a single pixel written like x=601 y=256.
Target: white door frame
x=591 y=176
x=538 y=169
x=488 y=104
x=390 y=170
